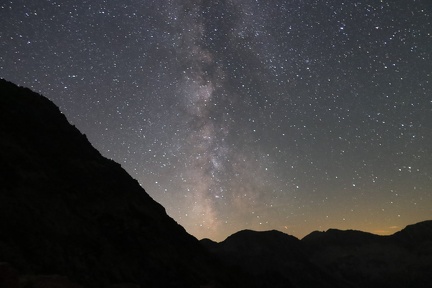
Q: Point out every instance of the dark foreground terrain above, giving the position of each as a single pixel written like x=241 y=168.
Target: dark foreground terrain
x=71 y=218
x=333 y=258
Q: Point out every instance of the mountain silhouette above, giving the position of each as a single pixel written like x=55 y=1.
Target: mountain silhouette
x=334 y=258
x=272 y=259
x=70 y=217
x=403 y=259
x=67 y=210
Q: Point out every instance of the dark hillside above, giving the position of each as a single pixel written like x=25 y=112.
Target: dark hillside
x=403 y=259
x=65 y=209
x=272 y=258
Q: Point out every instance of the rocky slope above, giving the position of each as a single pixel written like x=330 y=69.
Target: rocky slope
x=66 y=210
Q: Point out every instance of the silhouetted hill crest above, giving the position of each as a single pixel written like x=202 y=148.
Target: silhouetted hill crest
x=415 y=233
x=272 y=258
x=65 y=209
x=340 y=238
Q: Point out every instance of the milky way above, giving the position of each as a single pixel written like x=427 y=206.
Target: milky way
x=289 y=115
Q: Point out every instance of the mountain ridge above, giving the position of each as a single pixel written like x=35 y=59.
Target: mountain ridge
x=335 y=258
x=65 y=209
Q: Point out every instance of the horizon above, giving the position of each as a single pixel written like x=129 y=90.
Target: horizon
x=378 y=232
x=234 y=115
x=390 y=231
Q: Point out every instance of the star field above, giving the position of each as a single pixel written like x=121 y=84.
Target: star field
x=234 y=114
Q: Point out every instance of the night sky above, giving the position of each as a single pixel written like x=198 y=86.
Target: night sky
x=293 y=115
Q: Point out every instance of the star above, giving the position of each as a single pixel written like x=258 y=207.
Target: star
x=234 y=115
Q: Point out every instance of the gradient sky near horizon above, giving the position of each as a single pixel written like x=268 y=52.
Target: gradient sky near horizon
x=293 y=115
